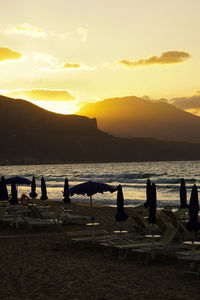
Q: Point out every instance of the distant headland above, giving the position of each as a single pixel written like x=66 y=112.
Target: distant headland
x=32 y=135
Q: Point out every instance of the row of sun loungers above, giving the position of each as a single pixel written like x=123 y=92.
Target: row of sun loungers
x=37 y=215
x=169 y=225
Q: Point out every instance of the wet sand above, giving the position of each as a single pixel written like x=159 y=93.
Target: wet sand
x=42 y=264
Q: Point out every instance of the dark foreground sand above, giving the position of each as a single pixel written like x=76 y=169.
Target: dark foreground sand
x=42 y=264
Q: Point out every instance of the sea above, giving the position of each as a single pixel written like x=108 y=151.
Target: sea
x=132 y=176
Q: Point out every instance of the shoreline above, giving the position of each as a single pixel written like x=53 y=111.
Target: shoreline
x=91 y=162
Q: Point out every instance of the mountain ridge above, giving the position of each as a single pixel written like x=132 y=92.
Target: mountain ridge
x=32 y=135
x=136 y=117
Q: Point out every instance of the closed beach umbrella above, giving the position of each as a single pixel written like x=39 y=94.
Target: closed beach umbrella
x=183 y=195
x=148 y=193
x=152 y=205
x=3 y=189
x=66 y=198
x=90 y=188
x=43 y=190
x=33 y=193
x=121 y=215
x=13 y=199
x=193 y=224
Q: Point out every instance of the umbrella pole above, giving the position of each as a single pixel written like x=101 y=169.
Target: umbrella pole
x=91 y=210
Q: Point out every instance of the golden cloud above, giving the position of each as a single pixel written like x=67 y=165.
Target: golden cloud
x=67 y=66
x=31 y=30
x=187 y=103
x=41 y=94
x=170 y=57
x=9 y=54
x=71 y=66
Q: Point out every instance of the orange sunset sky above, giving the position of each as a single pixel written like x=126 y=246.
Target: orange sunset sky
x=60 y=54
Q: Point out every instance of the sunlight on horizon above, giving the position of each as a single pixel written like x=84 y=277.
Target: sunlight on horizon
x=99 y=57
x=58 y=107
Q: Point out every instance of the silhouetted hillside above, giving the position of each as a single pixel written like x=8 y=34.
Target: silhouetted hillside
x=136 y=117
x=31 y=135
x=23 y=117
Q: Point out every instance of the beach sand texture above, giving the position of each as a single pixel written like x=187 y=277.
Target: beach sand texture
x=43 y=264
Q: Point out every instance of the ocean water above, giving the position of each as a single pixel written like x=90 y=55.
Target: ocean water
x=132 y=177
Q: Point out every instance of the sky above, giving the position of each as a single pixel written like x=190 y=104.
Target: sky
x=60 y=54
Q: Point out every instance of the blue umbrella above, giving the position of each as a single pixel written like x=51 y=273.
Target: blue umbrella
x=121 y=215
x=183 y=195
x=33 y=193
x=148 y=193
x=3 y=189
x=43 y=190
x=193 y=224
x=13 y=199
x=90 y=188
x=18 y=180
x=66 y=192
x=152 y=205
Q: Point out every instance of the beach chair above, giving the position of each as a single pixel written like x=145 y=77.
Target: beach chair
x=140 y=224
x=35 y=212
x=12 y=215
x=191 y=263
x=31 y=222
x=176 y=221
x=165 y=241
x=69 y=218
x=84 y=233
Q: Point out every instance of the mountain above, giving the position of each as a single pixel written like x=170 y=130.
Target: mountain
x=136 y=117
x=32 y=135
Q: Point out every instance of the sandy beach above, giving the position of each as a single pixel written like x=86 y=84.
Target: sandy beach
x=43 y=264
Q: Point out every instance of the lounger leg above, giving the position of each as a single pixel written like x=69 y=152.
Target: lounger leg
x=122 y=254
x=108 y=251
x=191 y=268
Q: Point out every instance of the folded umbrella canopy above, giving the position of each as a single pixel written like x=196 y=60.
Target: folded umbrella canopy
x=66 y=192
x=43 y=190
x=193 y=224
x=18 y=180
x=148 y=193
x=152 y=205
x=120 y=215
x=3 y=189
x=90 y=188
x=33 y=193
x=183 y=195
x=13 y=199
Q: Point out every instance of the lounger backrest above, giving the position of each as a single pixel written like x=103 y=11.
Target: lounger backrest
x=170 y=216
x=168 y=235
x=58 y=211
x=162 y=223
x=139 y=221
x=35 y=212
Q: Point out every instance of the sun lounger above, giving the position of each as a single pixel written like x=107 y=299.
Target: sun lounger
x=140 y=224
x=75 y=219
x=31 y=222
x=166 y=239
x=84 y=233
x=191 y=263
x=175 y=220
x=93 y=238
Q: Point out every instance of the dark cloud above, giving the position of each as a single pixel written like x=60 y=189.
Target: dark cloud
x=192 y=102
x=170 y=57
